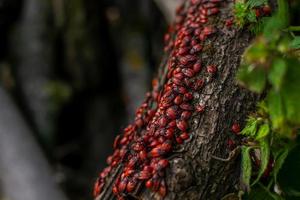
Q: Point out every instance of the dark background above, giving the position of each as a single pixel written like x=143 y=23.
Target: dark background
x=76 y=70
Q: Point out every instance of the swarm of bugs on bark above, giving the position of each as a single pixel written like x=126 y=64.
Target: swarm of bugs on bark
x=162 y=122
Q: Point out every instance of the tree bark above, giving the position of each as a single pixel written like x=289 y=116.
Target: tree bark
x=194 y=173
x=32 y=49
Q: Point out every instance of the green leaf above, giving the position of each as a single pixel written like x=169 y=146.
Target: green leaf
x=251 y=16
x=252 y=78
x=277 y=72
x=291 y=93
x=256 y=3
x=278 y=22
x=263 y=131
x=260 y=192
x=250 y=128
x=289 y=174
x=258 y=27
x=246 y=167
x=295 y=44
x=264 y=158
x=279 y=160
x=258 y=52
x=240 y=12
x=283 y=12
x=275 y=107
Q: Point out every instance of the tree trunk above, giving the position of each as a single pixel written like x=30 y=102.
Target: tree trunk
x=24 y=172
x=194 y=171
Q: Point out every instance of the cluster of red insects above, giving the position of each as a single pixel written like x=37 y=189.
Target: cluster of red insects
x=162 y=120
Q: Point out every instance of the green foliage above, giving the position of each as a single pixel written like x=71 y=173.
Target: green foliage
x=295 y=44
x=244 y=14
x=259 y=192
x=264 y=156
x=280 y=158
x=256 y=3
x=263 y=131
x=289 y=175
x=271 y=65
x=240 y=10
x=246 y=166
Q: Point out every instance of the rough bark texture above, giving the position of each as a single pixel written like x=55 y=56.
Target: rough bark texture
x=193 y=173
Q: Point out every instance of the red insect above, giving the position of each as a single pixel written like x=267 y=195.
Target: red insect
x=179 y=140
x=180 y=90
x=188 y=96
x=97 y=188
x=163 y=121
x=162 y=189
x=115 y=190
x=200 y=108
x=116 y=141
x=212 y=69
x=188 y=72
x=109 y=160
x=124 y=140
x=178 y=99
x=184 y=136
x=122 y=185
x=257 y=13
x=131 y=185
x=171 y=112
x=197 y=67
x=144 y=175
x=236 y=129
x=177 y=81
x=157 y=152
x=208 y=30
x=166 y=146
x=213 y=11
x=185 y=115
x=230 y=144
x=178 y=75
x=182 y=125
x=169 y=133
x=267 y=10
x=183 y=51
x=143 y=155
x=149 y=183
x=163 y=163
x=229 y=22
x=172 y=124
x=186 y=106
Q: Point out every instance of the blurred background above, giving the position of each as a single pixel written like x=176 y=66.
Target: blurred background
x=72 y=73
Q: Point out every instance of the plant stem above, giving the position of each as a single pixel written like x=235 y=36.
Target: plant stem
x=294 y=28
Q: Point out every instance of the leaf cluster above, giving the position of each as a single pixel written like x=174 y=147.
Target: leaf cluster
x=271 y=65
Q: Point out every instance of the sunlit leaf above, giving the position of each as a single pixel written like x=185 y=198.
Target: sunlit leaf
x=291 y=93
x=250 y=128
x=246 y=166
x=256 y=3
x=252 y=78
x=275 y=107
x=278 y=22
x=251 y=16
x=295 y=44
x=264 y=158
x=277 y=72
x=263 y=131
